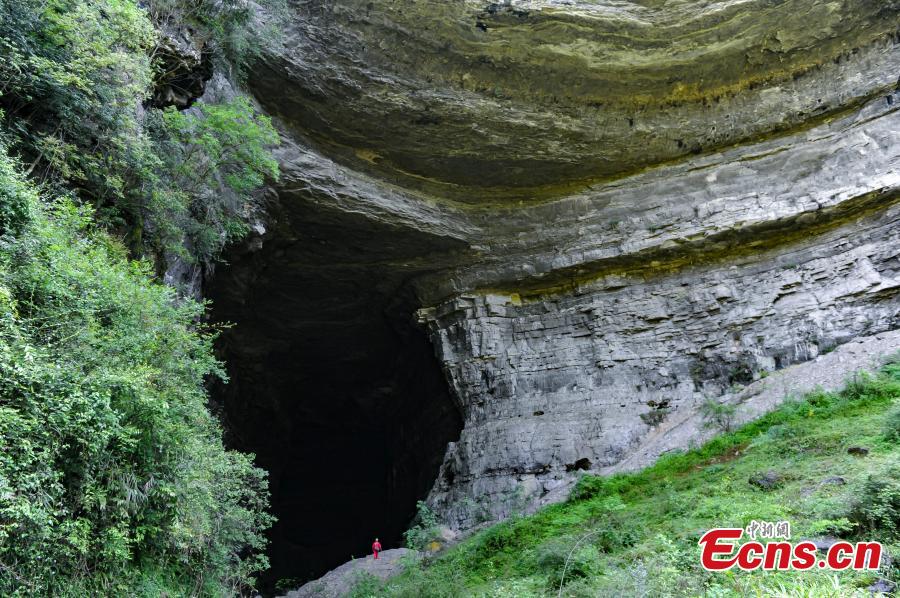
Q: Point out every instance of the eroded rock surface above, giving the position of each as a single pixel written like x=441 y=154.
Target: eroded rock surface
x=185 y=65
x=340 y=581
x=602 y=213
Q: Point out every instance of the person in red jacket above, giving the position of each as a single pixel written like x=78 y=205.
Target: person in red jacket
x=376 y=547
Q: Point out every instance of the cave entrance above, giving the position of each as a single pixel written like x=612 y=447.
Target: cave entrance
x=332 y=384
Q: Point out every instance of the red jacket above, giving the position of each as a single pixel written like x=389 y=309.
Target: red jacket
x=376 y=546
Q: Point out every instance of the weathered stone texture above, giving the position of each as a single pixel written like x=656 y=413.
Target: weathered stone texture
x=608 y=212
x=590 y=374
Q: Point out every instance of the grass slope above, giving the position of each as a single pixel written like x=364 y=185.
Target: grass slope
x=644 y=527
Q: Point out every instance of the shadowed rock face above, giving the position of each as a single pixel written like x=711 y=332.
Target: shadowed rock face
x=333 y=385
x=185 y=68
x=600 y=213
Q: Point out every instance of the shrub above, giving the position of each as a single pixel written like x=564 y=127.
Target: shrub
x=216 y=157
x=864 y=387
x=589 y=486
x=75 y=83
x=573 y=556
x=286 y=584
x=425 y=530
x=831 y=527
x=718 y=415
x=364 y=585
x=877 y=507
x=75 y=74
x=14 y=197
x=857 y=386
x=426 y=583
x=892 y=426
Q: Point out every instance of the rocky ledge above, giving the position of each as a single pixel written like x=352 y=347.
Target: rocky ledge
x=341 y=580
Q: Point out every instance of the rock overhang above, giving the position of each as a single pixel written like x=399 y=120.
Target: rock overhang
x=546 y=97
x=739 y=200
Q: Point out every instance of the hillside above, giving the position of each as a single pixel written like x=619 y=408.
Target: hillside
x=636 y=534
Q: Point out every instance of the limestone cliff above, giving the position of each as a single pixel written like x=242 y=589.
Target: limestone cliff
x=603 y=213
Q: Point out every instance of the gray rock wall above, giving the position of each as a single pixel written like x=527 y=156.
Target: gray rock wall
x=580 y=381
x=647 y=297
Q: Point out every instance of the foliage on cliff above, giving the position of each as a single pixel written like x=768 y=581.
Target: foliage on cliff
x=215 y=159
x=75 y=85
x=231 y=29
x=113 y=476
x=636 y=534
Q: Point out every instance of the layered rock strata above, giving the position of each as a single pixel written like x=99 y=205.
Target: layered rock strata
x=602 y=213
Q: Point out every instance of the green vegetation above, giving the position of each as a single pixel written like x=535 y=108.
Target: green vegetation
x=75 y=86
x=228 y=26
x=892 y=426
x=878 y=509
x=718 y=415
x=636 y=534
x=113 y=476
x=75 y=74
x=216 y=160
x=425 y=530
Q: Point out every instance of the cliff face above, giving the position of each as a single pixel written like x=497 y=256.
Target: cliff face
x=730 y=266
x=603 y=214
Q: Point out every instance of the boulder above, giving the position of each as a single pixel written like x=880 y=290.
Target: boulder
x=766 y=481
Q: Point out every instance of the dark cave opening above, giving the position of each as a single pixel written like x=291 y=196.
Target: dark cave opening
x=333 y=385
